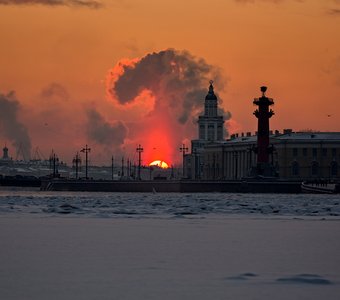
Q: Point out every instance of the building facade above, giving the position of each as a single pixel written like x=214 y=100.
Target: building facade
x=295 y=156
x=288 y=155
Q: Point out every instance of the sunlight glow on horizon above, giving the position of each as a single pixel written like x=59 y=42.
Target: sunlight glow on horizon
x=159 y=163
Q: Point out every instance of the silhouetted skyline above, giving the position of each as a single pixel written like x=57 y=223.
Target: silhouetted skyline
x=58 y=58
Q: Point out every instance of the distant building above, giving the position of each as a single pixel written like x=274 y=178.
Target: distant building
x=288 y=155
x=5 y=160
x=210 y=130
x=296 y=155
x=5 y=153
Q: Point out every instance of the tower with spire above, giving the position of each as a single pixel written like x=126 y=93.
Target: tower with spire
x=210 y=125
x=5 y=153
x=210 y=130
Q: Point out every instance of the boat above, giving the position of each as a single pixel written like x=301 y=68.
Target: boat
x=319 y=187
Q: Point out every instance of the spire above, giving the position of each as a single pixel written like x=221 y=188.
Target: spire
x=211 y=95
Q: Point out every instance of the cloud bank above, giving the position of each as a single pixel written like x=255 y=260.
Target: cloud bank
x=73 y=3
x=102 y=132
x=11 y=128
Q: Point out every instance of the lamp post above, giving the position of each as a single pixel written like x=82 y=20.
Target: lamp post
x=76 y=162
x=54 y=162
x=86 y=150
x=139 y=149
x=122 y=168
x=112 y=165
x=184 y=150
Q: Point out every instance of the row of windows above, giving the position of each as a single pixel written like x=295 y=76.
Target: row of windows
x=210 y=125
x=313 y=151
x=315 y=168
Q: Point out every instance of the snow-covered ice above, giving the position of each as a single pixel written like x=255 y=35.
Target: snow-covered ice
x=168 y=246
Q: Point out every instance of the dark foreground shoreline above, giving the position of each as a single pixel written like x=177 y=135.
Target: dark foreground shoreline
x=180 y=186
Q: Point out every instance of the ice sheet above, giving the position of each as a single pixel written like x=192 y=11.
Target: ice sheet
x=43 y=257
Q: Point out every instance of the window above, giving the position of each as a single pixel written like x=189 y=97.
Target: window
x=324 y=151
x=315 y=168
x=304 y=152
x=202 y=132
x=334 y=168
x=219 y=132
x=334 y=152
x=295 y=168
x=211 y=132
x=315 y=152
x=295 y=152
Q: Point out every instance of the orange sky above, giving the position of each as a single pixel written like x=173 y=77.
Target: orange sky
x=57 y=59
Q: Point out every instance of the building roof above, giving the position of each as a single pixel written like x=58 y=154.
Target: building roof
x=289 y=137
x=305 y=136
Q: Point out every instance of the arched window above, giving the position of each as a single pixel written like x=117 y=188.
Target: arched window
x=315 y=168
x=334 y=168
x=295 y=168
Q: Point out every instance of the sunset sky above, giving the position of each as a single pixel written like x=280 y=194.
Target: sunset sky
x=115 y=74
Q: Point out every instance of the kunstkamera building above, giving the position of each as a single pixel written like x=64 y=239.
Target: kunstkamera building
x=286 y=155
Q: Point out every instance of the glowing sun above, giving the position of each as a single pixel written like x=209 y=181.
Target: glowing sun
x=159 y=163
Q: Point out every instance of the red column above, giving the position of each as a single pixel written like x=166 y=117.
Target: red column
x=263 y=114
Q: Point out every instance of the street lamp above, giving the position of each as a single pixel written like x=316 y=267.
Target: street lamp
x=76 y=163
x=54 y=162
x=112 y=166
x=139 y=149
x=86 y=150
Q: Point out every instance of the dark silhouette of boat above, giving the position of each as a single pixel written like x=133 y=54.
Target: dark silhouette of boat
x=320 y=187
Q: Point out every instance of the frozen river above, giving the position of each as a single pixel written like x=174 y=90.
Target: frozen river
x=165 y=205
x=168 y=246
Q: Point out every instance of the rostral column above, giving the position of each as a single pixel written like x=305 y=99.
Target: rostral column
x=263 y=114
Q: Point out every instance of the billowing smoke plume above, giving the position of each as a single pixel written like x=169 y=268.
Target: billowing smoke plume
x=11 y=128
x=170 y=87
x=73 y=3
x=103 y=132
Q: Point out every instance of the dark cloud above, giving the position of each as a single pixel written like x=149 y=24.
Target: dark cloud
x=103 y=132
x=74 y=3
x=10 y=127
x=54 y=90
x=168 y=90
x=177 y=79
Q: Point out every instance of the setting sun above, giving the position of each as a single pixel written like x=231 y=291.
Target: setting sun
x=159 y=163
